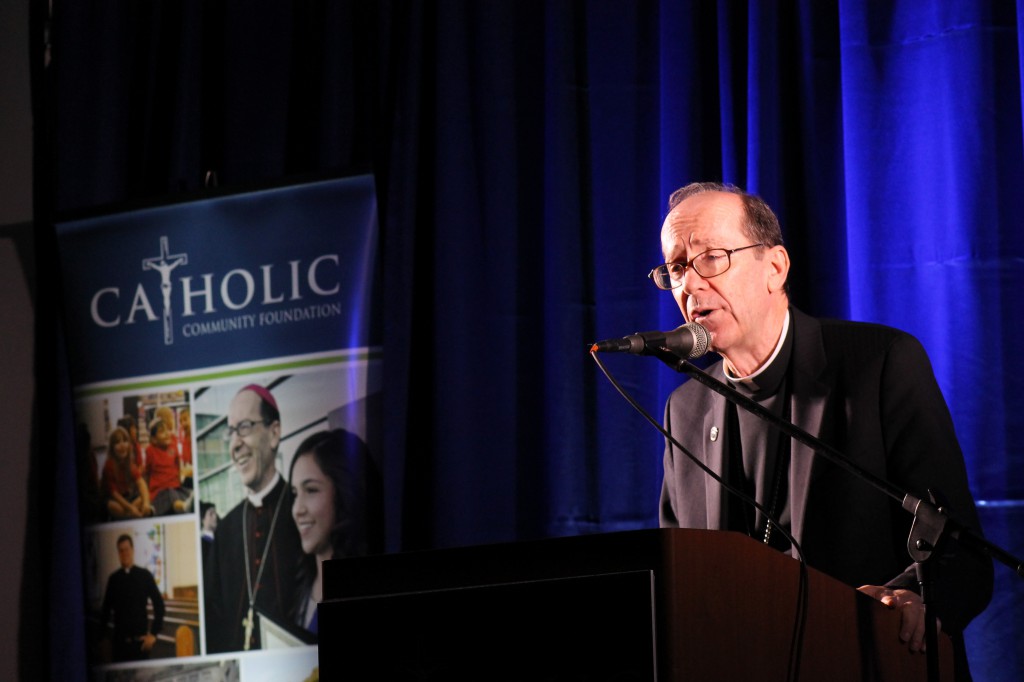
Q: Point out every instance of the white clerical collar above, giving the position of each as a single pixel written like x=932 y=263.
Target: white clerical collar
x=730 y=373
x=256 y=499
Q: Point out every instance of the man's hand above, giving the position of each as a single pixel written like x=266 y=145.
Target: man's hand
x=911 y=608
x=148 y=640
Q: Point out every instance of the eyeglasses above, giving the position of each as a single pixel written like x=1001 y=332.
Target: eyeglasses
x=710 y=263
x=242 y=428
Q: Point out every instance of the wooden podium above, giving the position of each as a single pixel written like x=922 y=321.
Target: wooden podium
x=665 y=604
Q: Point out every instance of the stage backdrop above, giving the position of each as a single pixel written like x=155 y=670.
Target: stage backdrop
x=524 y=151
x=171 y=310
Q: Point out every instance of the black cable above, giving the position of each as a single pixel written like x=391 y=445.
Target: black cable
x=799 y=625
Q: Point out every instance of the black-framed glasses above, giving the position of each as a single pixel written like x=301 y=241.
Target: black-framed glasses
x=707 y=264
x=243 y=428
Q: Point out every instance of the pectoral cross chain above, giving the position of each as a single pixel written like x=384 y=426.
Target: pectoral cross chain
x=251 y=589
x=247 y=622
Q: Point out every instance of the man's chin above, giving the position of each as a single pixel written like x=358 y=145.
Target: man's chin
x=259 y=480
x=246 y=477
x=717 y=341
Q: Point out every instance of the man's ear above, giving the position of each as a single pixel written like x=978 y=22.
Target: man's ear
x=778 y=261
x=275 y=434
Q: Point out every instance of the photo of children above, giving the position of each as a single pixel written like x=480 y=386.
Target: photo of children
x=135 y=455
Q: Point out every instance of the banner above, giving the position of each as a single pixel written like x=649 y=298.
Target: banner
x=227 y=380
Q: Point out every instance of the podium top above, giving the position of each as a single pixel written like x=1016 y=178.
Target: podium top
x=564 y=557
x=710 y=591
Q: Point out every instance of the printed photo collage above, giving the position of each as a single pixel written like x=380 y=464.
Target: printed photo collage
x=207 y=510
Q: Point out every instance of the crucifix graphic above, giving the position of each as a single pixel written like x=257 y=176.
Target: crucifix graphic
x=164 y=264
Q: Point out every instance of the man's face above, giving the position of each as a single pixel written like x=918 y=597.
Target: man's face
x=734 y=305
x=125 y=554
x=253 y=454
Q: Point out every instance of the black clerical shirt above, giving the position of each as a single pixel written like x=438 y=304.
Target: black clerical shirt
x=127 y=593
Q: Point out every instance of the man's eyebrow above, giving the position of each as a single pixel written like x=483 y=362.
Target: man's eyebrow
x=699 y=241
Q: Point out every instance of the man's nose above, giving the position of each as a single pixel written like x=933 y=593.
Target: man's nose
x=692 y=281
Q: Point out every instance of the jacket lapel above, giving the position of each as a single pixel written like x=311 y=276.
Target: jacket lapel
x=715 y=441
x=807 y=411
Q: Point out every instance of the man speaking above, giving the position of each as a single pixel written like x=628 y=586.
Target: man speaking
x=867 y=390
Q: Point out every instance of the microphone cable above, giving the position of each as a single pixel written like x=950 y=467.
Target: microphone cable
x=800 y=622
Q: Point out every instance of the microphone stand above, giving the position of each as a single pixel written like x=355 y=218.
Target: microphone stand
x=932 y=524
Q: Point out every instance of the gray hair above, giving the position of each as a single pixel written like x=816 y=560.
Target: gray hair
x=762 y=225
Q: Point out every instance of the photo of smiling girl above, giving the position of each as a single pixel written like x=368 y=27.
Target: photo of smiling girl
x=337 y=509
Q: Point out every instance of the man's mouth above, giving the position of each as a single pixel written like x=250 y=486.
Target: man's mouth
x=700 y=314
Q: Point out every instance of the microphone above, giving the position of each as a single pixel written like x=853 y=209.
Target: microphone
x=688 y=341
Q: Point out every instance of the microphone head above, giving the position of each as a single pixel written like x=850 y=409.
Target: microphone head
x=701 y=339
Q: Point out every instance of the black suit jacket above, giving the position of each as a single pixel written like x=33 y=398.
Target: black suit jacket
x=869 y=391
x=226 y=588
x=126 y=596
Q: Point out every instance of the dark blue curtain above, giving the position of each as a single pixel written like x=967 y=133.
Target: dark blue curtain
x=523 y=152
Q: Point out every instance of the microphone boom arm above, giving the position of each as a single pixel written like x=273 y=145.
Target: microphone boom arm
x=931 y=522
